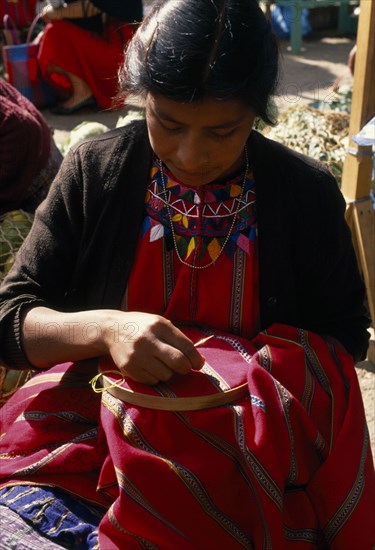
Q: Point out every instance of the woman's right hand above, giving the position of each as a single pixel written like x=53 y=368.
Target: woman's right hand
x=144 y=347
x=148 y=348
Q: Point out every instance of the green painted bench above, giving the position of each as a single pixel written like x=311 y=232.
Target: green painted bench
x=298 y=5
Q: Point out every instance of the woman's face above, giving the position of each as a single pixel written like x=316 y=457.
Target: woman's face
x=199 y=142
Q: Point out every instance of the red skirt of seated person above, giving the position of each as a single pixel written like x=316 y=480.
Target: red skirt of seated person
x=86 y=54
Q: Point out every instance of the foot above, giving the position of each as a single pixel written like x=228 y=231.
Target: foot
x=75 y=100
x=64 y=109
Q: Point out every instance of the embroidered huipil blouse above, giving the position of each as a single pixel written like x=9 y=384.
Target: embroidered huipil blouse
x=224 y=295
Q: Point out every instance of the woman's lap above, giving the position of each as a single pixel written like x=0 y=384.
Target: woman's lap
x=150 y=466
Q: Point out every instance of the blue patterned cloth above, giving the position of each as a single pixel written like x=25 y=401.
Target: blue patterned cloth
x=281 y=17
x=55 y=515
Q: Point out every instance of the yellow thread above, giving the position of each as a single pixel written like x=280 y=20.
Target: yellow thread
x=203 y=341
x=94 y=380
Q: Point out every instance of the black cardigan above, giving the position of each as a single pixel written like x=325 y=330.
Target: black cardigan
x=79 y=252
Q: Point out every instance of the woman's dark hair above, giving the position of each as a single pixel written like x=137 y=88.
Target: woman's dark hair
x=187 y=50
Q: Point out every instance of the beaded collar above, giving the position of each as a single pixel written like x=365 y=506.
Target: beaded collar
x=204 y=213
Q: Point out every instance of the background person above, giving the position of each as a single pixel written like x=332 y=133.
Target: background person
x=82 y=48
x=29 y=158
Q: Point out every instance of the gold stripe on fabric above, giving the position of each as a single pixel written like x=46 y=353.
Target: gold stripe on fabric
x=168 y=274
x=308 y=391
x=38 y=484
x=268 y=484
x=285 y=401
x=32 y=468
x=43 y=379
x=237 y=294
x=148 y=545
x=135 y=494
x=27 y=493
x=59 y=523
x=350 y=503
x=244 y=464
x=320 y=373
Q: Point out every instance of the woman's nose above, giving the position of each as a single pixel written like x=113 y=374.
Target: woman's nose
x=191 y=154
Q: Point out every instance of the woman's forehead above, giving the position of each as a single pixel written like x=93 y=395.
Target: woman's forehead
x=206 y=112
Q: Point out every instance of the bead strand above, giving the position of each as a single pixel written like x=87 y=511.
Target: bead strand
x=192 y=266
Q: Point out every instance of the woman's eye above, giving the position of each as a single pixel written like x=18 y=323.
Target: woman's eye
x=222 y=134
x=170 y=128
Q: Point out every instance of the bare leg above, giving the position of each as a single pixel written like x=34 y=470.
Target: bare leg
x=81 y=90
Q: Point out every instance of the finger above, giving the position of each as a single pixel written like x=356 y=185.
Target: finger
x=149 y=371
x=177 y=339
x=159 y=370
x=173 y=358
x=147 y=378
x=140 y=375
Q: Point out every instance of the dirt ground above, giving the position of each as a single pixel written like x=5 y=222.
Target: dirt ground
x=306 y=77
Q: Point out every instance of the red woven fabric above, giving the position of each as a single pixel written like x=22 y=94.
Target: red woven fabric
x=85 y=54
x=288 y=466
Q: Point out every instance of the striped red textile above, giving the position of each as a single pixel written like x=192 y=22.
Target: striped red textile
x=287 y=466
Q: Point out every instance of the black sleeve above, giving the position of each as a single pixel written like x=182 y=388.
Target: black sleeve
x=331 y=288
x=126 y=10
x=65 y=262
x=45 y=262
